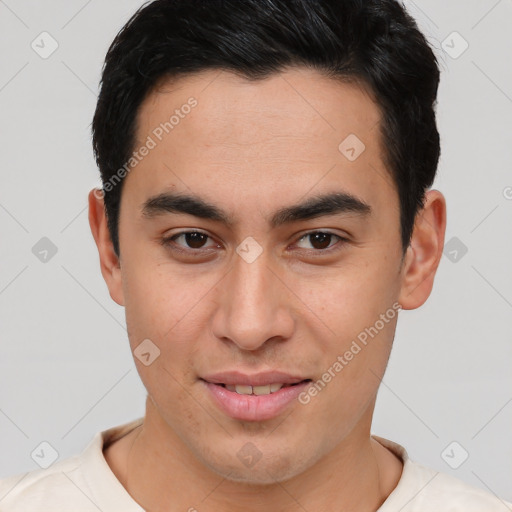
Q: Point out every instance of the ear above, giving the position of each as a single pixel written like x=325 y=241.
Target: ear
x=109 y=262
x=425 y=251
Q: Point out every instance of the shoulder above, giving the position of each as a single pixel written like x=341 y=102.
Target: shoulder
x=445 y=492
x=423 y=489
x=30 y=491
x=81 y=483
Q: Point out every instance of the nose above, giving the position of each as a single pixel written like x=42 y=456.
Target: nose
x=254 y=305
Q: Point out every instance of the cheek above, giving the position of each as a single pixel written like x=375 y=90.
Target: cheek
x=348 y=386
x=350 y=298
x=161 y=302
x=170 y=396
x=360 y=310
x=163 y=306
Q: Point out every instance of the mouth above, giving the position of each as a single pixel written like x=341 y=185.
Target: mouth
x=244 y=389
x=258 y=401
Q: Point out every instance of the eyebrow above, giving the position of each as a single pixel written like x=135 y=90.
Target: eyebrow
x=317 y=206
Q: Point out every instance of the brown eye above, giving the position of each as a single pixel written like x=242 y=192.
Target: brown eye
x=192 y=240
x=320 y=240
x=195 y=240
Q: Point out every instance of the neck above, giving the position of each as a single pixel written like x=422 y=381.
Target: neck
x=161 y=473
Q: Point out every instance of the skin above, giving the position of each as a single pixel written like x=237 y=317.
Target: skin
x=252 y=148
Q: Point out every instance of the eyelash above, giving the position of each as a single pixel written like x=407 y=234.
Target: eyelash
x=169 y=243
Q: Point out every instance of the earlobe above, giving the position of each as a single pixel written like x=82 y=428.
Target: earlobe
x=425 y=251
x=109 y=262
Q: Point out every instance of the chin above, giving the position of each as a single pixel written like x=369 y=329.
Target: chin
x=276 y=468
x=258 y=477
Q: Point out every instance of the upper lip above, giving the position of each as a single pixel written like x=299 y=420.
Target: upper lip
x=233 y=378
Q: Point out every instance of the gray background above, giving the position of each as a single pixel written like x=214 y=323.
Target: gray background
x=66 y=371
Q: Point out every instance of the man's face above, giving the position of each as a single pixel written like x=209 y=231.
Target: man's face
x=261 y=293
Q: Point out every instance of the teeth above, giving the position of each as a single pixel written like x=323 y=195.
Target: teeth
x=261 y=390
x=243 y=390
x=256 y=390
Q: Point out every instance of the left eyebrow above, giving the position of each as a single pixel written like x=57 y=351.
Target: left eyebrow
x=318 y=206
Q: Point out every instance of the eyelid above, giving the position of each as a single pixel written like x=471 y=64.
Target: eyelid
x=169 y=242
x=342 y=240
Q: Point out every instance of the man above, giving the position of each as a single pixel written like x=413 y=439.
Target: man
x=266 y=213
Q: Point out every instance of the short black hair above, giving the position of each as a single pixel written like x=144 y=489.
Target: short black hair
x=373 y=42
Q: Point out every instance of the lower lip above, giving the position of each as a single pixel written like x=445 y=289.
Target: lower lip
x=254 y=407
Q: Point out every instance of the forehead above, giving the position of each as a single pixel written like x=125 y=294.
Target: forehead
x=216 y=133
x=233 y=110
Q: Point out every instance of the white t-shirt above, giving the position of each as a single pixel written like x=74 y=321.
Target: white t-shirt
x=85 y=483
